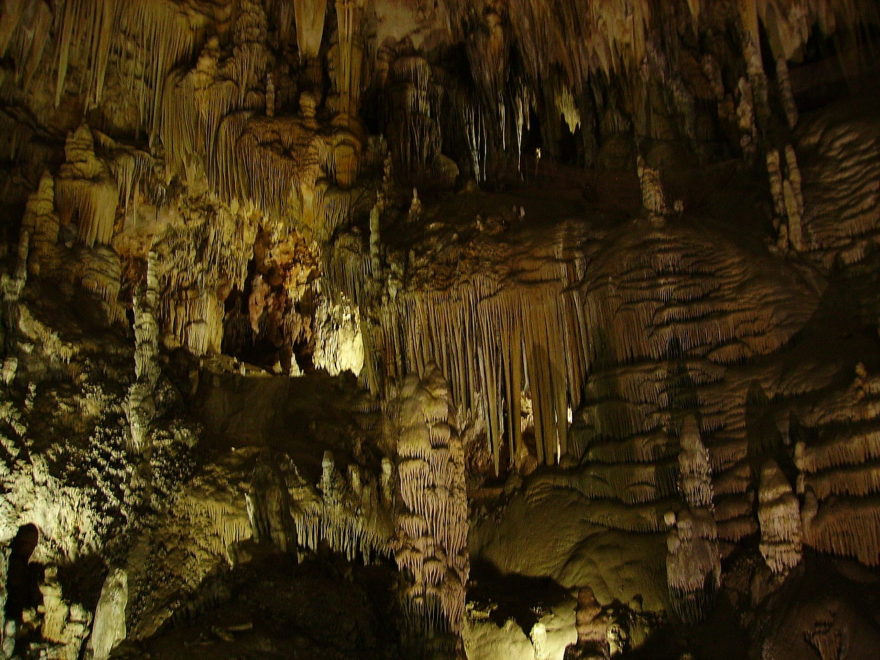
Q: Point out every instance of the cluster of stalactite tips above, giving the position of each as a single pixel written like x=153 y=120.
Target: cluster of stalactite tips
x=554 y=320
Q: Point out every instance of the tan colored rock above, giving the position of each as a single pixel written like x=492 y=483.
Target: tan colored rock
x=694 y=470
x=432 y=543
x=43 y=223
x=84 y=189
x=693 y=564
x=65 y=625
x=109 y=628
x=780 y=520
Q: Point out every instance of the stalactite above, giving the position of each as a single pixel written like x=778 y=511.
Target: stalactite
x=286 y=166
x=839 y=450
x=91 y=22
x=197 y=318
x=249 y=54
x=608 y=37
x=194 y=104
x=25 y=29
x=523 y=102
x=309 y=26
x=847 y=527
x=129 y=168
x=413 y=128
x=488 y=49
x=89 y=31
x=13 y=13
x=347 y=514
x=102 y=275
x=530 y=328
x=85 y=189
x=348 y=56
x=167 y=38
x=475 y=132
x=204 y=250
x=511 y=338
x=226 y=524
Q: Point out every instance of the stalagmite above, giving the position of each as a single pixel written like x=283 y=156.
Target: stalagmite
x=432 y=542
x=13 y=286
x=745 y=113
x=43 y=224
x=592 y=634
x=4 y=576
x=693 y=565
x=415 y=208
x=146 y=329
x=538 y=637
x=785 y=92
x=788 y=204
x=270 y=96
x=780 y=520
x=376 y=236
x=794 y=200
x=653 y=196
x=108 y=628
x=140 y=407
x=774 y=171
x=694 y=470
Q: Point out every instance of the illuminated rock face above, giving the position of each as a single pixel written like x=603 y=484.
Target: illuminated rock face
x=433 y=517
x=559 y=317
x=109 y=626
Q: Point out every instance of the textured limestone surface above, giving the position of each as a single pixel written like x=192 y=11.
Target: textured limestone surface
x=533 y=329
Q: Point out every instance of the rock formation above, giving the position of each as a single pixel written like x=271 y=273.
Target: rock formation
x=432 y=520
x=537 y=329
x=109 y=625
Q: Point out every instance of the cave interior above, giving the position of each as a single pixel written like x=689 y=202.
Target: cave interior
x=486 y=329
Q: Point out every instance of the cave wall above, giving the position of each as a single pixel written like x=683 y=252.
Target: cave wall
x=468 y=291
